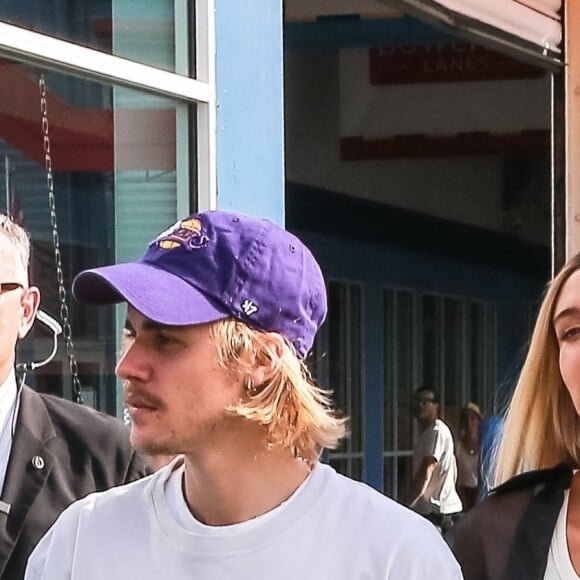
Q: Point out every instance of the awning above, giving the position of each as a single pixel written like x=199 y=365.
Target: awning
x=532 y=28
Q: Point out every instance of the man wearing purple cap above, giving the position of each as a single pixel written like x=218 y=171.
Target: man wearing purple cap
x=222 y=309
x=52 y=451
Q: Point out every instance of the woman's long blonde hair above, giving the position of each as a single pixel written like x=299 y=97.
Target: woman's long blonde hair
x=296 y=413
x=542 y=428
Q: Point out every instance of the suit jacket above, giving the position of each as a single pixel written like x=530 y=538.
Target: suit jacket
x=508 y=535
x=61 y=451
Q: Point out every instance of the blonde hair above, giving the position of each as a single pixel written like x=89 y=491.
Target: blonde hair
x=297 y=414
x=541 y=427
x=19 y=239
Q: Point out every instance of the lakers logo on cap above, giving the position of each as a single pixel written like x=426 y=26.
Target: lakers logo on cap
x=188 y=233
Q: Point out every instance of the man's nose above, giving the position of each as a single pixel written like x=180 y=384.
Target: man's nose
x=132 y=364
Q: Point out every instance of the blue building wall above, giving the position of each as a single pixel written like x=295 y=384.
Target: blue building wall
x=250 y=114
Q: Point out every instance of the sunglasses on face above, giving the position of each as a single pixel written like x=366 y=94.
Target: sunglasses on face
x=9 y=286
x=424 y=401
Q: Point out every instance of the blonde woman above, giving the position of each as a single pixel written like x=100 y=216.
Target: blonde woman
x=222 y=310
x=530 y=525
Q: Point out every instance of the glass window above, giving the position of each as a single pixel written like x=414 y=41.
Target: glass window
x=456 y=338
x=143 y=31
x=115 y=162
x=482 y=337
x=431 y=321
x=477 y=341
x=400 y=371
x=345 y=371
x=399 y=368
x=454 y=361
x=405 y=367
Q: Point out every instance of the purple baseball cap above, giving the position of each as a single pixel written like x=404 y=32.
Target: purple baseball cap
x=214 y=265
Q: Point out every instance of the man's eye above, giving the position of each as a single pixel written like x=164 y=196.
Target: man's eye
x=164 y=339
x=128 y=333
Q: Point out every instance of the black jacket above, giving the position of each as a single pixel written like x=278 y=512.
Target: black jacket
x=508 y=535
x=61 y=451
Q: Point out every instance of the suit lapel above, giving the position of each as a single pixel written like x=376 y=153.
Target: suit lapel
x=29 y=466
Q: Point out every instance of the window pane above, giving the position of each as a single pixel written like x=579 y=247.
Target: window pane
x=477 y=335
x=404 y=474
x=431 y=343
x=355 y=406
x=114 y=158
x=397 y=475
x=337 y=359
x=344 y=364
x=405 y=350
x=356 y=468
x=482 y=336
x=341 y=465
x=453 y=361
x=390 y=345
x=400 y=357
x=143 y=31
x=389 y=476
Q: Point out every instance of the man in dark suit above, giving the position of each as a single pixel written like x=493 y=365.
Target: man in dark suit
x=52 y=451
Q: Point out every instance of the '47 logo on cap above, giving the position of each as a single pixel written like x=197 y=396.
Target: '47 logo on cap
x=249 y=307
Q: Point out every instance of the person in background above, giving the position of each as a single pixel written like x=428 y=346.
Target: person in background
x=222 y=311
x=433 y=493
x=52 y=451
x=529 y=526
x=467 y=453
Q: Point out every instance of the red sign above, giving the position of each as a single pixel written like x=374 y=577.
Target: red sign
x=401 y=65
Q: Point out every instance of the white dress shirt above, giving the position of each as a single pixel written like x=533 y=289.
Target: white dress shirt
x=7 y=411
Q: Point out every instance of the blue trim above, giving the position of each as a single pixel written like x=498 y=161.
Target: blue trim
x=354 y=32
x=397 y=228
x=250 y=114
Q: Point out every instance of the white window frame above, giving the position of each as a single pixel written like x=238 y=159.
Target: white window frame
x=37 y=49
x=45 y=51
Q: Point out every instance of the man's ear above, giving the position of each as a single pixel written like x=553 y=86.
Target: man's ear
x=30 y=302
x=267 y=358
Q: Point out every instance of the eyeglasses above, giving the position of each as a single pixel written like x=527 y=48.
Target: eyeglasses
x=424 y=401
x=9 y=286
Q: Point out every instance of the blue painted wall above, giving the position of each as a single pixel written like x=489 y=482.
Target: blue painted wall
x=250 y=114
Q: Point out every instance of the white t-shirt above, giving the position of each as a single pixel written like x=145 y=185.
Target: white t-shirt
x=559 y=566
x=440 y=496
x=333 y=528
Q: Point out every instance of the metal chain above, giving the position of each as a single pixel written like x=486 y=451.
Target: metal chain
x=62 y=294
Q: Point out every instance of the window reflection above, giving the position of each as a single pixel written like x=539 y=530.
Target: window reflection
x=114 y=158
x=437 y=341
x=143 y=31
x=344 y=359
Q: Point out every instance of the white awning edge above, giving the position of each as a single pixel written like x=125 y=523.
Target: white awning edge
x=515 y=18
x=550 y=8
